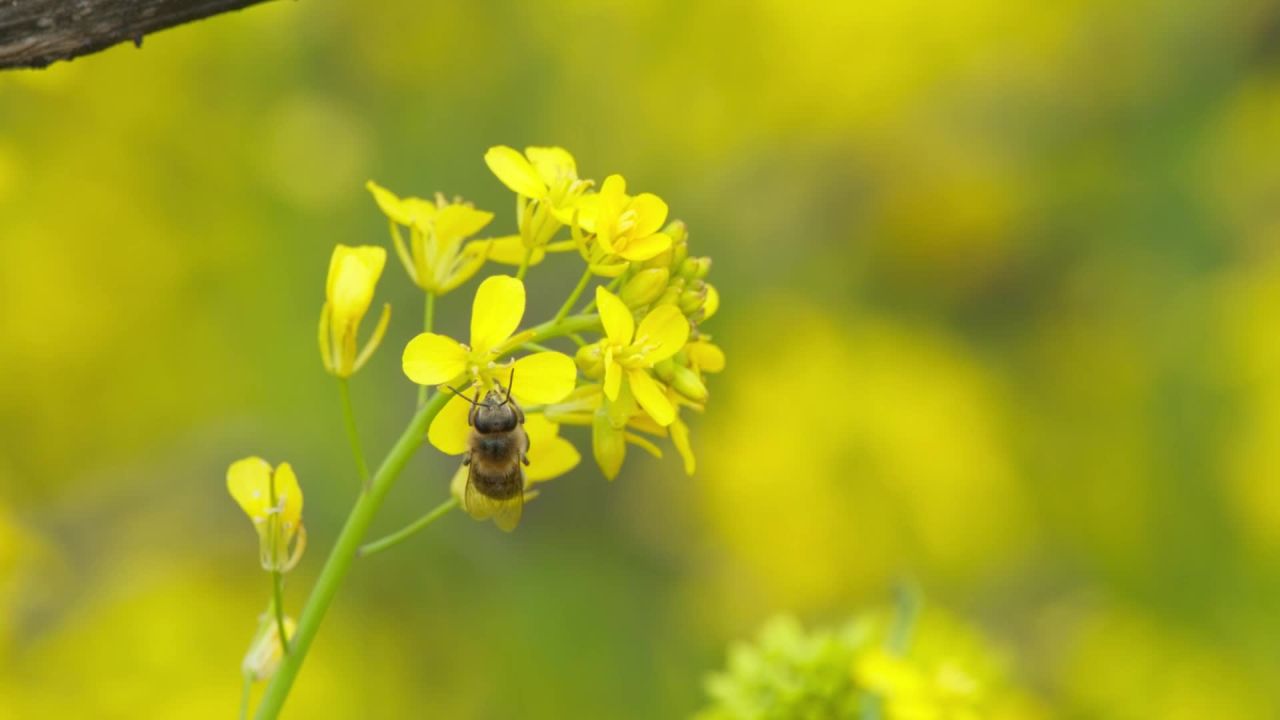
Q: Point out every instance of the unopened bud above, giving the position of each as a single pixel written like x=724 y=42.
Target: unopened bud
x=691 y=300
x=266 y=650
x=608 y=444
x=665 y=370
x=687 y=383
x=645 y=287
x=590 y=361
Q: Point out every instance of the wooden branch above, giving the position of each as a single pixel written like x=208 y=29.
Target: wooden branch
x=34 y=33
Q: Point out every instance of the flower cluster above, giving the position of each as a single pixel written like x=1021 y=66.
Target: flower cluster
x=939 y=668
x=650 y=355
x=638 y=359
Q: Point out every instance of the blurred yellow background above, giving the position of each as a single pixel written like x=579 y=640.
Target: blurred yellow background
x=1001 y=301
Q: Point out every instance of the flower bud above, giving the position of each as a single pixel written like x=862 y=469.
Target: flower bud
x=687 y=383
x=692 y=300
x=266 y=650
x=645 y=287
x=590 y=361
x=665 y=370
x=608 y=444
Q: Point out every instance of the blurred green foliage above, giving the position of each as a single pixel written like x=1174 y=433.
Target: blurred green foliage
x=1002 y=290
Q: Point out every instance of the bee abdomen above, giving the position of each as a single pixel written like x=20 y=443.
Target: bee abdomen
x=499 y=486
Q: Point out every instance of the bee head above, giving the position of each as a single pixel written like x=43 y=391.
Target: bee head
x=495 y=413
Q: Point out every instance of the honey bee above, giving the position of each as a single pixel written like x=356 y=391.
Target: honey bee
x=497 y=449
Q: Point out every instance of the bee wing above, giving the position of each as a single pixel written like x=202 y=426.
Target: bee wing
x=505 y=513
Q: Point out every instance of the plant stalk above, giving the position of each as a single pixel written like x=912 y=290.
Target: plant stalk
x=340 y=558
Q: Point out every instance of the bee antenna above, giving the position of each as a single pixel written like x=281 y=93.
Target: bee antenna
x=510 y=382
x=458 y=392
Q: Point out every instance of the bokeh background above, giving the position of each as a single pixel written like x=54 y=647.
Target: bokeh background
x=1001 y=299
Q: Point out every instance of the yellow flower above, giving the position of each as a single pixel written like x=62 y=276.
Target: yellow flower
x=266 y=651
x=545 y=181
x=548 y=174
x=353 y=276
x=273 y=501
x=625 y=226
x=630 y=351
x=431 y=359
x=436 y=258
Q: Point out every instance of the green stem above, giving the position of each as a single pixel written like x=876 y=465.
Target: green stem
x=277 y=582
x=246 y=689
x=409 y=530
x=573 y=297
x=550 y=329
x=524 y=263
x=277 y=599
x=428 y=322
x=353 y=435
x=343 y=553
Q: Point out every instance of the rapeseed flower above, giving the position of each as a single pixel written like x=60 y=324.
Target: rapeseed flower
x=272 y=499
x=432 y=359
x=625 y=227
x=436 y=257
x=353 y=276
x=629 y=352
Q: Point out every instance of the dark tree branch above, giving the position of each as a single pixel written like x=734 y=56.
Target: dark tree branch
x=34 y=33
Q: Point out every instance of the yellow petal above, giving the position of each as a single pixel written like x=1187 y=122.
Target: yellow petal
x=615 y=316
x=612 y=376
x=388 y=202
x=544 y=377
x=608 y=445
x=646 y=247
x=584 y=212
x=353 y=273
x=431 y=359
x=515 y=171
x=549 y=454
x=458 y=221
x=496 y=312
x=552 y=163
x=448 y=432
x=406 y=211
x=705 y=356
x=651 y=397
x=288 y=497
x=247 y=481
x=712 y=303
x=651 y=213
x=662 y=333
x=680 y=437
x=509 y=250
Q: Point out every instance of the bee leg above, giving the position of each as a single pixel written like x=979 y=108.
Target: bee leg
x=524 y=459
x=466 y=459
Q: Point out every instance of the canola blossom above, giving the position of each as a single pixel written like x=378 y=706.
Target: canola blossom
x=272 y=499
x=632 y=355
x=353 y=277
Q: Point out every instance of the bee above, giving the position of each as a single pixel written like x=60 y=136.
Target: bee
x=497 y=450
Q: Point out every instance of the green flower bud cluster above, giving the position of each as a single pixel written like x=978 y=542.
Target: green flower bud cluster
x=894 y=666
